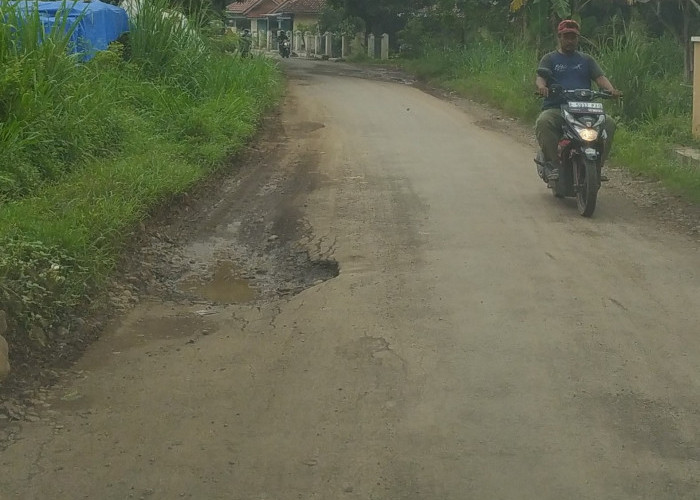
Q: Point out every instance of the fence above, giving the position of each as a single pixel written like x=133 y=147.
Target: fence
x=327 y=45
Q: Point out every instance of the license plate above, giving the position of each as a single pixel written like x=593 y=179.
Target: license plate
x=586 y=106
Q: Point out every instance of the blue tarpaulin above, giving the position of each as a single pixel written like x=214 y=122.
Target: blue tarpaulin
x=95 y=23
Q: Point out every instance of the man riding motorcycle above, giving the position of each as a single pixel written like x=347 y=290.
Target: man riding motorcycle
x=572 y=70
x=284 y=44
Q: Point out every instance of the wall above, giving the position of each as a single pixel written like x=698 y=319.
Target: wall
x=307 y=19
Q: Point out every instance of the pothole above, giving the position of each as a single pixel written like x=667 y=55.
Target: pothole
x=225 y=287
x=324 y=270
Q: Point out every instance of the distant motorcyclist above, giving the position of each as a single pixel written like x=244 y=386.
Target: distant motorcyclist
x=572 y=70
x=284 y=44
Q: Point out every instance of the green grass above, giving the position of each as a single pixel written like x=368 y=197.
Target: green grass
x=90 y=149
x=653 y=118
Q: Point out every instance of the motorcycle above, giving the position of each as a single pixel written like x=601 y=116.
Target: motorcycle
x=285 y=48
x=581 y=146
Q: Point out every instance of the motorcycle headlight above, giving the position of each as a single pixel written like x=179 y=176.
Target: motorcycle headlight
x=587 y=134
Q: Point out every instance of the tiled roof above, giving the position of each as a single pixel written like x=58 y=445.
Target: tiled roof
x=255 y=8
x=301 y=7
x=264 y=7
x=241 y=7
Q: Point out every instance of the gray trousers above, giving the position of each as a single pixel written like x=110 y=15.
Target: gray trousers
x=548 y=132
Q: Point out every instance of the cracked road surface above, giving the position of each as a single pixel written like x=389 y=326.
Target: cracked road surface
x=386 y=303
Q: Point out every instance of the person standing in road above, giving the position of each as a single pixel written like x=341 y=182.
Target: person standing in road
x=246 y=43
x=572 y=70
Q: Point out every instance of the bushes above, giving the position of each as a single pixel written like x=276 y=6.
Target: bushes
x=38 y=282
x=648 y=71
x=229 y=42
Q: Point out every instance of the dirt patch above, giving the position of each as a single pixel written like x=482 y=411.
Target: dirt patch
x=239 y=237
x=235 y=238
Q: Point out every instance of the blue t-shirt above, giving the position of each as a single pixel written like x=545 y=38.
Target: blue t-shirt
x=571 y=71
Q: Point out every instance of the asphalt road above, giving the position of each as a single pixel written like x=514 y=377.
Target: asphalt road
x=482 y=340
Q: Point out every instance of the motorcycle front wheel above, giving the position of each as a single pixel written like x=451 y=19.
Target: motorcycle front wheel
x=587 y=184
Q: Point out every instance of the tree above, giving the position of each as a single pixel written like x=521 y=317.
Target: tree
x=380 y=16
x=562 y=8
x=337 y=21
x=679 y=18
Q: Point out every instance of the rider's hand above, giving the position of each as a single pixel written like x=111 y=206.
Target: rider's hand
x=616 y=93
x=543 y=91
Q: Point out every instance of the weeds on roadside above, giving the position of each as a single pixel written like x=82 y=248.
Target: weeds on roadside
x=89 y=149
x=53 y=113
x=40 y=283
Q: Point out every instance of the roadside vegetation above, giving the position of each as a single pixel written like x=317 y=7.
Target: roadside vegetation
x=89 y=149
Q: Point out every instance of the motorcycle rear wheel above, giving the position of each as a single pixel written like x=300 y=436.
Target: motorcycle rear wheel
x=588 y=182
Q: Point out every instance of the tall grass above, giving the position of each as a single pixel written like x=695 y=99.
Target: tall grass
x=89 y=149
x=52 y=115
x=649 y=72
x=164 y=42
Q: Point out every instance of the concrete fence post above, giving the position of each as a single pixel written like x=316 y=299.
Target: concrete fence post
x=345 y=46
x=385 y=47
x=371 y=47
x=329 y=44
x=297 y=41
x=269 y=40
x=696 y=86
x=307 y=42
x=317 y=45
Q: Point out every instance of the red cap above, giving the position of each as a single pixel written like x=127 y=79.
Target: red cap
x=568 y=26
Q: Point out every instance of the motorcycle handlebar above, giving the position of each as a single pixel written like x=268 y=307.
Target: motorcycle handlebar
x=593 y=94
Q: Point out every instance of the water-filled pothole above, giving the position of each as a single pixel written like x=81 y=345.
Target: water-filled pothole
x=324 y=270
x=225 y=287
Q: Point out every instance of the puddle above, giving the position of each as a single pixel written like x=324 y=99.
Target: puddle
x=224 y=288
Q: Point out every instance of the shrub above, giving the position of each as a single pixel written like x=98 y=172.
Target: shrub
x=39 y=283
